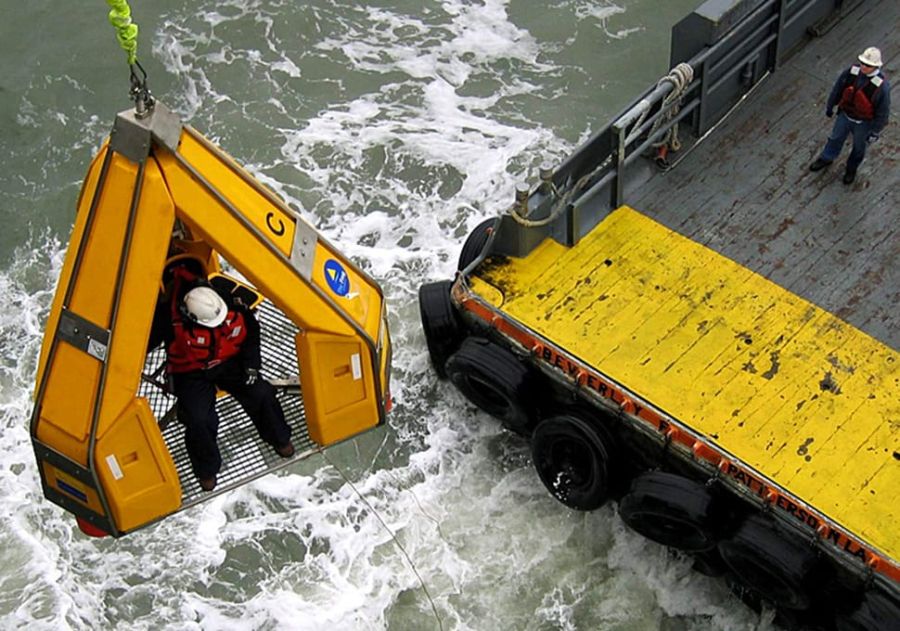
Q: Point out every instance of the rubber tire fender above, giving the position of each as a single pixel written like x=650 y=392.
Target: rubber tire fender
x=574 y=459
x=709 y=563
x=875 y=613
x=440 y=322
x=778 y=567
x=496 y=381
x=672 y=510
x=475 y=243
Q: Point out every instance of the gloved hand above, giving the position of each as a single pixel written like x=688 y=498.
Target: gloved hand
x=829 y=112
x=872 y=137
x=251 y=376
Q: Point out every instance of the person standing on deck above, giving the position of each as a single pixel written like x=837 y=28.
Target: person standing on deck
x=862 y=95
x=211 y=345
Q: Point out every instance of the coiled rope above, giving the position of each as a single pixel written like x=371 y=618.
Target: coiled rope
x=126 y=30
x=560 y=205
x=680 y=77
x=127 y=33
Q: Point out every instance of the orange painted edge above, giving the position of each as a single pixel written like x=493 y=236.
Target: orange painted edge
x=675 y=432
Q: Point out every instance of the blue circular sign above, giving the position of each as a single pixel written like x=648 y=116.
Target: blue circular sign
x=337 y=278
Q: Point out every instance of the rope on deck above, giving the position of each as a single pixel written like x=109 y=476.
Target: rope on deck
x=680 y=78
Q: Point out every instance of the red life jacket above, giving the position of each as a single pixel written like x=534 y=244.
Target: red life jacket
x=196 y=347
x=857 y=101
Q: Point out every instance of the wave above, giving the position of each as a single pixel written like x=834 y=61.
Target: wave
x=395 y=131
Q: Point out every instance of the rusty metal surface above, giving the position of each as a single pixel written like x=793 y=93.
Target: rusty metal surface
x=746 y=191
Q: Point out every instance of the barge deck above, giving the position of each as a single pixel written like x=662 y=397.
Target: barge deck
x=747 y=192
x=762 y=375
x=730 y=349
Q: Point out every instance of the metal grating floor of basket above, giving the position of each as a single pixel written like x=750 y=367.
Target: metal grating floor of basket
x=245 y=456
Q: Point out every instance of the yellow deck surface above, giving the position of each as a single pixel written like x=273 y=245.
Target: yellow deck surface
x=799 y=395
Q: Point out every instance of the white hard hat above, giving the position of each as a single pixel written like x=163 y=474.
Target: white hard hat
x=871 y=57
x=205 y=306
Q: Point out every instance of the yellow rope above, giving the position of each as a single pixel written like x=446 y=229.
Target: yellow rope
x=126 y=30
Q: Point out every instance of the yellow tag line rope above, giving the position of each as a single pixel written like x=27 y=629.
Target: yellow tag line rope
x=126 y=33
x=126 y=30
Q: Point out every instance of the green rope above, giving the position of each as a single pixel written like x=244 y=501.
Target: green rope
x=126 y=30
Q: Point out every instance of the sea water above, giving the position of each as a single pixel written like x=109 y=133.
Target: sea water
x=394 y=126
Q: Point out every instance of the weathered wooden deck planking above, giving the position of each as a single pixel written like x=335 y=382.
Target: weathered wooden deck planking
x=747 y=193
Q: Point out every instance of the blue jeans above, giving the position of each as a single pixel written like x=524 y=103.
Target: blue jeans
x=842 y=127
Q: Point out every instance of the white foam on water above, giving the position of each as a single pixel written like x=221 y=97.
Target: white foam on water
x=32 y=530
x=412 y=147
x=602 y=12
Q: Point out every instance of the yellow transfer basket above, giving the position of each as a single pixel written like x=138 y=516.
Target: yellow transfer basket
x=102 y=426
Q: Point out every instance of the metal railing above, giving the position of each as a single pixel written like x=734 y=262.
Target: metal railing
x=595 y=179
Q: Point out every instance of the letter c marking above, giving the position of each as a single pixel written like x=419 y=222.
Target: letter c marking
x=277 y=231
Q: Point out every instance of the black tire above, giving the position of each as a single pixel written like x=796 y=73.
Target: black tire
x=443 y=330
x=772 y=563
x=875 y=613
x=709 y=563
x=496 y=381
x=475 y=243
x=672 y=510
x=574 y=459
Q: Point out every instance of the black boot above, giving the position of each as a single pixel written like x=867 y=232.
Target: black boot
x=849 y=175
x=818 y=165
x=285 y=451
x=208 y=484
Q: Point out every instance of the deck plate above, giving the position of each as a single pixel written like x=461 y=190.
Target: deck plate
x=801 y=396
